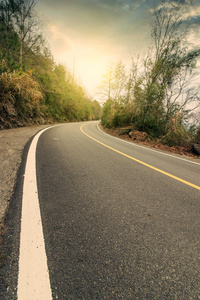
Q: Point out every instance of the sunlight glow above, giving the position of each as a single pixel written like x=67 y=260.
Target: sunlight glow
x=90 y=71
x=87 y=62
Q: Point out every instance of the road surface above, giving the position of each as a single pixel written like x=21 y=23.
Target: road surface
x=119 y=221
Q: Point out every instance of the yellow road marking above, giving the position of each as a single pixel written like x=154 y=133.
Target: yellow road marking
x=141 y=162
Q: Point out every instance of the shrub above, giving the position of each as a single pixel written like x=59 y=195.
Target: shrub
x=20 y=97
x=108 y=113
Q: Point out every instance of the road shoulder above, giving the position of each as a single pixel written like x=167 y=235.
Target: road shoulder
x=173 y=151
x=12 y=143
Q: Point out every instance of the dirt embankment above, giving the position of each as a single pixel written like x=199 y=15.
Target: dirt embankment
x=142 y=138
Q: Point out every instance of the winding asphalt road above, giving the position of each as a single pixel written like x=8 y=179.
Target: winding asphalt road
x=120 y=221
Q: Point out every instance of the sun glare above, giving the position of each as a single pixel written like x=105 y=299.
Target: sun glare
x=91 y=71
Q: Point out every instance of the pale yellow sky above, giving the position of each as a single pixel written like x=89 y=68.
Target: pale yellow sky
x=89 y=34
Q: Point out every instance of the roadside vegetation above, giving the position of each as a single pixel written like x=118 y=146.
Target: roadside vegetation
x=33 y=88
x=159 y=94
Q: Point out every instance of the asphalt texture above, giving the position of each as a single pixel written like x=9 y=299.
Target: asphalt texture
x=113 y=228
x=14 y=146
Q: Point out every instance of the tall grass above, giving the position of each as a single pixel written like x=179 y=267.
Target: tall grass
x=21 y=99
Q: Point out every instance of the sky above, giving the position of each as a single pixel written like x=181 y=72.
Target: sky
x=87 y=35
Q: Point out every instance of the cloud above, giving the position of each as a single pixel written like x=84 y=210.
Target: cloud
x=94 y=20
x=59 y=41
x=91 y=30
x=109 y=23
x=193 y=39
x=191 y=17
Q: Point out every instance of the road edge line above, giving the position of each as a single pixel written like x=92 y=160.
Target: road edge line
x=143 y=163
x=33 y=273
x=147 y=148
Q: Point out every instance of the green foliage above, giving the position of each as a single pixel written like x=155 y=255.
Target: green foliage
x=121 y=117
x=44 y=90
x=65 y=98
x=158 y=101
x=197 y=137
x=149 y=111
x=115 y=115
x=96 y=110
x=108 y=113
x=9 y=40
x=113 y=83
x=176 y=132
x=21 y=98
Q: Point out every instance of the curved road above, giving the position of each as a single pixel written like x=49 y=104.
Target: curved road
x=120 y=221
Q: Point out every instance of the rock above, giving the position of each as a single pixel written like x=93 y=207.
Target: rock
x=131 y=134
x=196 y=149
x=19 y=123
x=123 y=131
x=138 y=135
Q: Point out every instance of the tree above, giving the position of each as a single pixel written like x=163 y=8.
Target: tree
x=173 y=62
x=96 y=110
x=9 y=40
x=26 y=25
x=114 y=82
x=116 y=89
x=20 y=33
x=164 y=96
x=164 y=81
x=36 y=87
x=106 y=86
x=119 y=82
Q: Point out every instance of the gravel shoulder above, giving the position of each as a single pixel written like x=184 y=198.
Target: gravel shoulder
x=12 y=143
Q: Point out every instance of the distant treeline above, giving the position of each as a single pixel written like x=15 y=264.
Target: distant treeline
x=33 y=88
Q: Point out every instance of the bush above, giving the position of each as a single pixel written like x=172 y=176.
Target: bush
x=108 y=113
x=20 y=97
x=121 y=118
x=198 y=136
x=176 y=132
x=115 y=115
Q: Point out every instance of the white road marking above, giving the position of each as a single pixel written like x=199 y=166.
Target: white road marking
x=147 y=148
x=33 y=276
